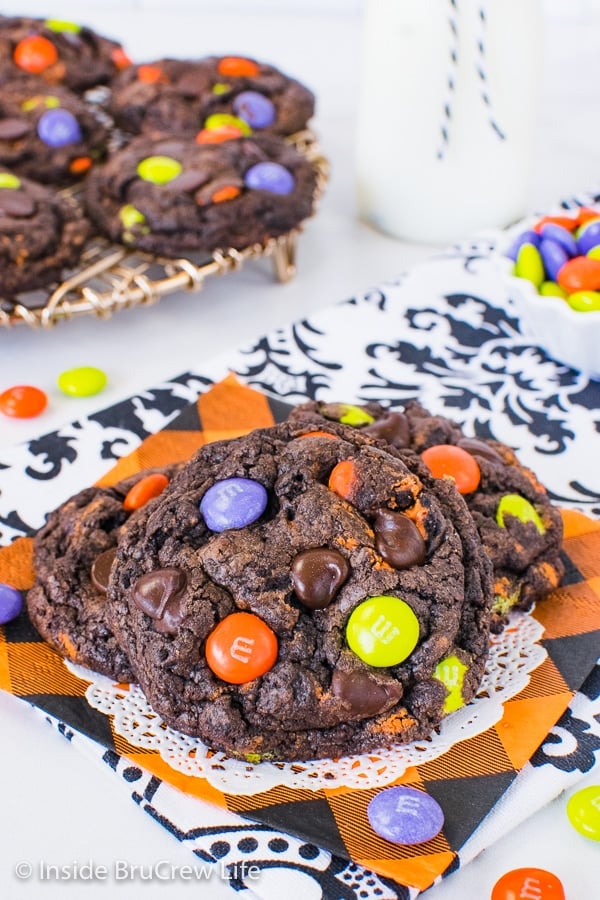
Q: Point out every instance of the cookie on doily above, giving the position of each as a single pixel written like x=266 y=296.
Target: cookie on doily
x=72 y=556
x=41 y=234
x=48 y=133
x=229 y=93
x=175 y=197
x=295 y=595
x=520 y=527
x=58 y=52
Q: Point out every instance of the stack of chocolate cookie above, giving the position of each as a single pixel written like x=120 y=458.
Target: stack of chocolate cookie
x=173 y=157
x=300 y=592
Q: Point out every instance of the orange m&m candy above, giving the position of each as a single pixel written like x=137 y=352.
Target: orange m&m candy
x=22 y=401
x=80 y=164
x=522 y=884
x=120 y=58
x=582 y=273
x=325 y=434
x=342 y=478
x=586 y=214
x=150 y=74
x=145 y=489
x=237 y=66
x=241 y=648
x=447 y=459
x=227 y=192
x=35 y=54
x=218 y=135
x=568 y=222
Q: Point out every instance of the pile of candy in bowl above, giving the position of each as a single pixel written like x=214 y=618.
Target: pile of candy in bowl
x=560 y=256
x=556 y=261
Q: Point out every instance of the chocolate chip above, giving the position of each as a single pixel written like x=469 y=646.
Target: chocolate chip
x=188 y=181
x=16 y=204
x=393 y=428
x=479 y=448
x=365 y=695
x=169 y=148
x=193 y=83
x=161 y=594
x=398 y=540
x=317 y=575
x=101 y=569
x=71 y=37
x=333 y=411
x=13 y=129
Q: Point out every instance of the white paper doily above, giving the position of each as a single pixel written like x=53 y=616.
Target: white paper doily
x=514 y=654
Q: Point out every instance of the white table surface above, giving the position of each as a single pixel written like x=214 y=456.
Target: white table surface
x=57 y=806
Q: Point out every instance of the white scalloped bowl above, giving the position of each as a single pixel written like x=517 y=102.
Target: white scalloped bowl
x=569 y=337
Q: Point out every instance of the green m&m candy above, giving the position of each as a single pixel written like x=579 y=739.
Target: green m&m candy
x=382 y=631
x=159 y=169
x=520 y=508
x=584 y=301
x=60 y=25
x=83 y=381
x=218 y=120
x=583 y=811
x=552 y=289
x=530 y=265
x=8 y=180
x=49 y=101
x=354 y=415
x=451 y=672
x=131 y=216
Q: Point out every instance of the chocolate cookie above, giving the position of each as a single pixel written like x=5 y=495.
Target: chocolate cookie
x=175 y=197
x=58 y=52
x=41 y=234
x=48 y=133
x=519 y=526
x=294 y=595
x=175 y=97
x=72 y=556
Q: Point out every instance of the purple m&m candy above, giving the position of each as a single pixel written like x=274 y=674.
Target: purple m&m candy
x=255 y=109
x=270 y=176
x=58 y=127
x=11 y=603
x=405 y=815
x=233 y=503
x=554 y=256
x=557 y=233
x=589 y=236
x=526 y=237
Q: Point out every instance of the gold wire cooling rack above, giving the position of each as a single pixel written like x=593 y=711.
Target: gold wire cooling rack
x=112 y=278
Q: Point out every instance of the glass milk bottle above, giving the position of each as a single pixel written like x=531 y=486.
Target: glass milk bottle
x=447 y=115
